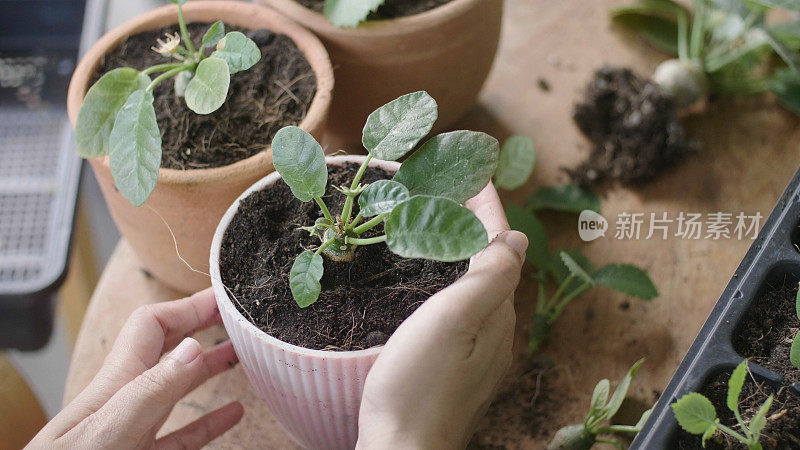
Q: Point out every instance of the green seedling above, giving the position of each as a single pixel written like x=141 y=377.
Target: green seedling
x=696 y=414
x=724 y=47
x=421 y=209
x=349 y=13
x=118 y=119
x=601 y=410
x=568 y=270
x=794 y=353
x=517 y=158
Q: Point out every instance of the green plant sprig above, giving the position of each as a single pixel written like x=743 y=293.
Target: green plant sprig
x=118 y=119
x=794 y=352
x=421 y=208
x=721 y=46
x=696 y=414
x=601 y=410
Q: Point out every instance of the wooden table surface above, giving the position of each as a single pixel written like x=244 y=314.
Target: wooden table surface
x=750 y=150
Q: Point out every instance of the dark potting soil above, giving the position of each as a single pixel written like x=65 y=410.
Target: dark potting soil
x=362 y=302
x=274 y=93
x=783 y=424
x=768 y=329
x=633 y=128
x=389 y=10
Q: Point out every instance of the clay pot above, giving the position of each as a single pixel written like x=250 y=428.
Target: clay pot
x=191 y=202
x=447 y=51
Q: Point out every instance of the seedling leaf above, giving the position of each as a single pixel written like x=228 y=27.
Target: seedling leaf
x=566 y=198
x=299 y=159
x=397 y=127
x=575 y=268
x=794 y=353
x=348 y=13
x=642 y=420
x=525 y=221
x=381 y=197
x=759 y=421
x=599 y=397
x=735 y=383
x=304 y=278
x=560 y=272
x=135 y=154
x=214 y=34
x=621 y=392
x=517 y=158
x=100 y=106
x=627 y=279
x=434 y=228
x=455 y=165
x=797 y=302
x=658 y=27
x=208 y=88
x=708 y=434
x=695 y=413
x=238 y=51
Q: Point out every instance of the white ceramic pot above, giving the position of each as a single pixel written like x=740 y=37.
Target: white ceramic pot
x=314 y=394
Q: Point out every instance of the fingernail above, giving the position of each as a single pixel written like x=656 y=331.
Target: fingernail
x=518 y=241
x=187 y=351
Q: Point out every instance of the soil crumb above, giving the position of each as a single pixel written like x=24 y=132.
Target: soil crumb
x=274 y=93
x=391 y=9
x=768 y=329
x=362 y=302
x=633 y=128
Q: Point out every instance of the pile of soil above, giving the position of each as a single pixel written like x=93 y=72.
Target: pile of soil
x=362 y=302
x=391 y=9
x=632 y=126
x=768 y=329
x=274 y=93
x=783 y=424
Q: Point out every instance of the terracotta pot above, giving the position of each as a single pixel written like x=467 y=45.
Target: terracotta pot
x=191 y=202
x=447 y=51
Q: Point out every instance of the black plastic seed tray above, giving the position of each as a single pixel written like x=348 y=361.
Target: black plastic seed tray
x=40 y=41
x=772 y=260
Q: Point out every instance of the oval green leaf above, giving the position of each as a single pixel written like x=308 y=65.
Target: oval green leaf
x=135 y=142
x=348 y=13
x=239 y=51
x=208 y=88
x=397 y=127
x=621 y=391
x=566 y=198
x=517 y=158
x=299 y=159
x=735 y=383
x=695 y=413
x=381 y=197
x=304 y=278
x=100 y=106
x=627 y=279
x=525 y=221
x=214 y=34
x=599 y=397
x=455 y=165
x=794 y=353
x=759 y=421
x=434 y=228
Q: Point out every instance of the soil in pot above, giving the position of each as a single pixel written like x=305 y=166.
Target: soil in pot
x=274 y=93
x=783 y=427
x=362 y=302
x=633 y=128
x=767 y=330
x=389 y=10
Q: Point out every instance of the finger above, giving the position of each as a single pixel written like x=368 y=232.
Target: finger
x=216 y=360
x=491 y=279
x=487 y=207
x=203 y=430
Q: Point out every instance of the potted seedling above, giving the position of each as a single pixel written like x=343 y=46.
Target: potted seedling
x=596 y=429
x=385 y=48
x=176 y=109
x=317 y=264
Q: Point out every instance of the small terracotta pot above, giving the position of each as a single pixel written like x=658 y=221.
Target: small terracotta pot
x=447 y=51
x=191 y=202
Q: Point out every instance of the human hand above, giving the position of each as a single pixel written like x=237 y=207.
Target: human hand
x=439 y=371
x=131 y=396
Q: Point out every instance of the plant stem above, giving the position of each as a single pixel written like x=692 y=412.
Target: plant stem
x=552 y=301
x=367 y=241
x=356 y=220
x=324 y=209
x=683 y=46
x=696 y=40
x=165 y=75
x=360 y=173
x=370 y=223
x=347 y=209
x=541 y=299
x=324 y=245
x=185 y=32
x=569 y=297
x=732 y=433
x=162 y=67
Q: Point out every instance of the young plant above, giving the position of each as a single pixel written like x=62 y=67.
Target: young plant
x=349 y=13
x=696 y=414
x=722 y=47
x=601 y=410
x=420 y=208
x=794 y=353
x=118 y=119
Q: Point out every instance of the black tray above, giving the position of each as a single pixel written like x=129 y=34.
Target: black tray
x=772 y=260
